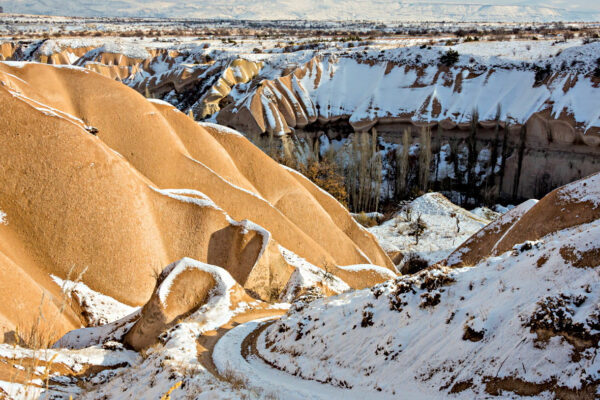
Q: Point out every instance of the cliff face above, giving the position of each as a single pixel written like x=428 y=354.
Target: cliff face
x=558 y=110
x=94 y=175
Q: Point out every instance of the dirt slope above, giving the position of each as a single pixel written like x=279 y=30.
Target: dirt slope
x=571 y=205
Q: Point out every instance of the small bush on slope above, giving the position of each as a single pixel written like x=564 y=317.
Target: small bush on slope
x=414 y=264
x=322 y=173
x=450 y=58
x=366 y=221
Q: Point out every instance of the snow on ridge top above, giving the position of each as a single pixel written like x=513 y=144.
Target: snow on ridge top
x=130 y=50
x=220 y=128
x=185 y=195
x=200 y=199
x=368 y=267
x=248 y=225
x=16 y=64
x=223 y=280
x=438 y=204
x=161 y=102
x=511 y=217
x=583 y=190
x=52 y=46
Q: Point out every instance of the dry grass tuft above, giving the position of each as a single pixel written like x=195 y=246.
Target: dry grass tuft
x=167 y=396
x=236 y=381
x=366 y=221
x=39 y=337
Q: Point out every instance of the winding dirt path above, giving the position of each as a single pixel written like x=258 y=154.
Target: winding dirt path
x=206 y=343
x=236 y=353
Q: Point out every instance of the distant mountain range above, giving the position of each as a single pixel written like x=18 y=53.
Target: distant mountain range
x=380 y=10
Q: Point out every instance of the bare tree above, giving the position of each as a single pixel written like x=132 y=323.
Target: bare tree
x=402 y=165
x=417 y=228
x=472 y=158
x=424 y=158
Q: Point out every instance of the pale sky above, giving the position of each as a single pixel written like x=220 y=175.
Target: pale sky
x=573 y=5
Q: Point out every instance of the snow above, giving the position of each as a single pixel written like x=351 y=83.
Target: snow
x=494 y=76
x=223 y=281
x=440 y=237
x=248 y=225
x=220 y=128
x=410 y=342
x=485 y=213
x=369 y=267
x=126 y=49
x=18 y=391
x=74 y=359
x=499 y=208
x=373 y=215
x=97 y=335
x=99 y=308
x=51 y=46
x=307 y=275
x=582 y=191
x=189 y=196
x=508 y=219
x=161 y=102
x=228 y=358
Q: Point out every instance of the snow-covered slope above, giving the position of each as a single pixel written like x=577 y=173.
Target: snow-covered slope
x=523 y=323
x=388 y=10
x=409 y=84
x=447 y=226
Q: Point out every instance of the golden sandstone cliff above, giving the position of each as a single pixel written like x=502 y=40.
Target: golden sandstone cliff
x=96 y=176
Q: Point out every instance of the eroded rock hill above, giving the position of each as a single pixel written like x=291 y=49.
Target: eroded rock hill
x=96 y=176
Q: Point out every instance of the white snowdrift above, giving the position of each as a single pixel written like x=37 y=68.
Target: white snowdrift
x=99 y=308
x=442 y=234
x=306 y=276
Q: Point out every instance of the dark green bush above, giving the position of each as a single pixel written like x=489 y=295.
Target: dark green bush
x=450 y=58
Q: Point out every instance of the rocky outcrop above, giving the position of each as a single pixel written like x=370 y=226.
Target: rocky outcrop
x=560 y=142
x=574 y=204
x=184 y=287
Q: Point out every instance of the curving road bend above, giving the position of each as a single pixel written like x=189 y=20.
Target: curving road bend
x=233 y=354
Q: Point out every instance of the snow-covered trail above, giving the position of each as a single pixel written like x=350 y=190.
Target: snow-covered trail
x=229 y=359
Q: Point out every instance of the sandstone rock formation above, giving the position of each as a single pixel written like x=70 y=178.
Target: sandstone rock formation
x=183 y=288
x=94 y=175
